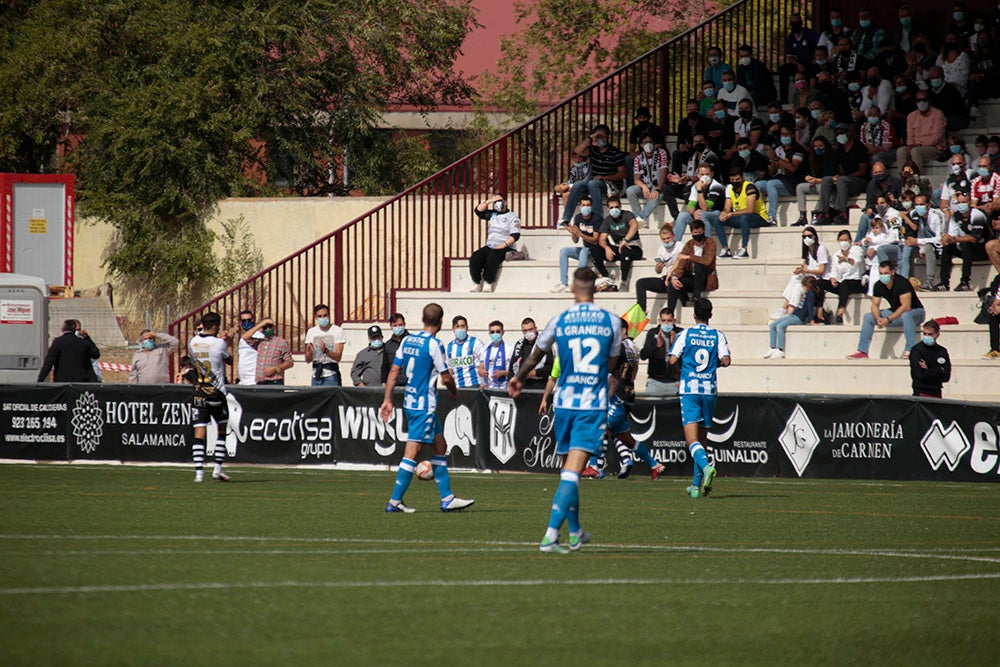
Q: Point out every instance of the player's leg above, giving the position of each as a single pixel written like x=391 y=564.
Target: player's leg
x=198 y=447
x=404 y=473
x=220 y=413
x=624 y=444
x=708 y=412
x=439 y=462
x=578 y=436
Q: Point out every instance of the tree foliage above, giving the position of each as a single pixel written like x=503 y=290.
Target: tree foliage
x=164 y=107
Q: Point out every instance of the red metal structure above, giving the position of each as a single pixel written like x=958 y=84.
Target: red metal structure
x=403 y=244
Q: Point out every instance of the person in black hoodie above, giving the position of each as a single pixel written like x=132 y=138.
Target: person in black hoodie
x=930 y=366
x=661 y=377
x=522 y=350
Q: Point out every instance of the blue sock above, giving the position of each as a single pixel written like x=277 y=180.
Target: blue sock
x=563 y=499
x=404 y=475
x=573 y=515
x=697 y=476
x=440 y=466
x=700 y=459
x=643 y=453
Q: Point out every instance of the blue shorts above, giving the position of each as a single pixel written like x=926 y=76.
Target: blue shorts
x=617 y=418
x=697 y=409
x=422 y=426
x=579 y=429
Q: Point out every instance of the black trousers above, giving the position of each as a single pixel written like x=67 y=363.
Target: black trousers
x=643 y=285
x=484 y=264
x=969 y=252
x=692 y=285
x=624 y=257
x=995 y=332
x=843 y=290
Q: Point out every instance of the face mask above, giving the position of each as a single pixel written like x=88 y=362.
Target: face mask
x=984 y=172
x=900 y=89
x=745 y=61
x=398 y=331
x=730 y=86
x=885 y=278
x=796 y=26
x=815 y=113
x=956 y=169
x=774 y=117
x=907 y=204
x=928 y=340
x=920 y=209
x=937 y=83
x=709 y=92
x=842 y=139
x=669 y=244
x=461 y=334
x=955 y=149
x=496 y=338
x=874 y=81
x=601 y=143
x=836 y=23
x=745 y=153
x=808 y=241
x=268 y=333
x=832 y=124
x=323 y=321
x=648 y=146
x=713 y=60
x=962 y=207
x=720 y=114
x=822 y=61
x=699 y=147
x=377 y=343
x=819 y=151
x=879 y=177
x=958 y=16
x=881 y=209
x=854 y=86
x=923 y=105
x=667 y=328
x=874 y=120
x=531 y=336
x=148 y=344
x=80 y=335
x=865 y=23
x=498 y=206
x=845 y=245
x=585 y=211
x=800 y=84
x=615 y=212
x=905 y=21
x=799 y=120
x=698 y=238
x=786 y=141
x=246 y=325
x=979 y=27
x=746 y=114
x=705 y=180
x=920 y=48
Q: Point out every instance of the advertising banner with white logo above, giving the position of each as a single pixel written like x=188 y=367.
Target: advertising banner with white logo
x=34 y=422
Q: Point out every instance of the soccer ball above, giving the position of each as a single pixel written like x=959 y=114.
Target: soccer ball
x=424 y=471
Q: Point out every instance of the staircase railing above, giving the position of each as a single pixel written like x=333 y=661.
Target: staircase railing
x=403 y=244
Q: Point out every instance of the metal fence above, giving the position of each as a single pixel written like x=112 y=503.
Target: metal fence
x=403 y=244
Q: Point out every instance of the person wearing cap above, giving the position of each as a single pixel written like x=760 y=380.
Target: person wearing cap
x=925 y=134
x=853 y=177
x=644 y=126
x=753 y=75
x=367 y=368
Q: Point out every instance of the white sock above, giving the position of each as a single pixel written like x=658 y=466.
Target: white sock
x=552 y=534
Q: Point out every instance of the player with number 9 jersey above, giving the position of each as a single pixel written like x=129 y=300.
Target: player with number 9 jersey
x=700 y=348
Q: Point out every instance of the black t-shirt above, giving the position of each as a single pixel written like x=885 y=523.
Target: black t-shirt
x=896 y=289
x=851 y=159
x=754 y=164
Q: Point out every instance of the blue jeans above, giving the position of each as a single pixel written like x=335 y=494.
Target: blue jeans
x=745 y=222
x=864 y=226
x=711 y=220
x=898 y=255
x=634 y=193
x=597 y=190
x=331 y=381
x=773 y=189
x=910 y=321
x=777 y=329
x=579 y=253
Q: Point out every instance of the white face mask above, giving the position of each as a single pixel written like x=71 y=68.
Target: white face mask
x=845 y=245
x=531 y=336
x=956 y=169
x=706 y=179
x=648 y=146
x=808 y=241
x=745 y=61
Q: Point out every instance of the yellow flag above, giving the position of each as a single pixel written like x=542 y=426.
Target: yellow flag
x=637 y=320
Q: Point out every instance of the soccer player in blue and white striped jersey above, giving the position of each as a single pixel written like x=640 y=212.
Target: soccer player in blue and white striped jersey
x=700 y=350
x=464 y=353
x=423 y=357
x=587 y=339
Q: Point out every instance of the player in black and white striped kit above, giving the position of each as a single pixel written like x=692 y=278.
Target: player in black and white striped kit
x=208 y=354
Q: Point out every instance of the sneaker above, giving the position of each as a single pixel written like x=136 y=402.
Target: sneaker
x=625 y=471
x=706 y=481
x=941 y=287
x=576 y=542
x=590 y=472
x=199 y=477
x=778 y=354
x=772 y=222
x=478 y=287
x=657 y=470
x=906 y=355
x=801 y=222
x=770 y=353
x=456 y=504
x=221 y=476
x=642 y=224
x=693 y=491
x=992 y=354
x=400 y=507
x=726 y=252
x=964 y=287
x=777 y=314
x=741 y=254
x=552 y=547
x=560 y=288
x=489 y=287
x=858 y=355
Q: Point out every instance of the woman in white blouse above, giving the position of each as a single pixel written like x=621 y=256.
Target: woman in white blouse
x=815 y=262
x=845 y=273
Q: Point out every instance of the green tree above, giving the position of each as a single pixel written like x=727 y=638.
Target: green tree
x=164 y=107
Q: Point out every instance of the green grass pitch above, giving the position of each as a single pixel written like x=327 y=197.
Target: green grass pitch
x=112 y=565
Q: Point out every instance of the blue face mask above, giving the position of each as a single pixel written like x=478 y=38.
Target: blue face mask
x=821 y=61
x=962 y=207
x=819 y=151
x=774 y=117
x=958 y=16
x=984 y=172
x=854 y=86
x=921 y=209
x=461 y=334
x=247 y=325
x=900 y=89
x=745 y=153
x=377 y=343
x=928 y=340
x=836 y=23
x=884 y=278
x=937 y=83
x=730 y=86
x=398 y=331
x=615 y=212
x=496 y=337
x=955 y=149
x=586 y=210
x=148 y=344
x=865 y=23
x=720 y=114
x=323 y=321
x=815 y=113
x=842 y=139
x=874 y=120
x=786 y=141
x=709 y=92
x=667 y=328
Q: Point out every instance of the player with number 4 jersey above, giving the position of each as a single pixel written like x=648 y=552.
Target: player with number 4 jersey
x=700 y=350
x=588 y=339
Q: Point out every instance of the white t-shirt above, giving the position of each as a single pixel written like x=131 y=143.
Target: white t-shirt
x=247 y=360
x=822 y=257
x=330 y=338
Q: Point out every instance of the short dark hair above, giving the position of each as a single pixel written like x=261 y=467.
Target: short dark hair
x=459 y=318
x=246 y=312
x=697 y=224
x=586 y=198
x=586 y=274
x=527 y=320
x=602 y=126
x=210 y=319
x=932 y=325
x=665 y=311
x=495 y=323
x=320 y=306
x=735 y=170
x=702 y=309
x=397 y=317
x=887 y=264
x=69 y=325
x=432 y=315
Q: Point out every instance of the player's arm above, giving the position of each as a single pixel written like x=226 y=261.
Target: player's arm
x=550 y=386
x=514 y=385
x=725 y=356
x=449 y=381
x=386 y=410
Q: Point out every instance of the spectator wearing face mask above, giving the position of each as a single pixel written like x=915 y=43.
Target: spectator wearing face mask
x=925 y=134
x=716 y=67
x=847 y=267
x=986 y=187
x=274 y=355
x=619 y=239
x=662 y=378
x=522 y=350
x=705 y=202
x=731 y=93
x=913 y=181
x=502 y=233
x=747 y=126
x=586 y=241
x=949 y=99
x=397 y=325
x=876 y=92
x=649 y=180
x=666 y=255
x=683 y=174
x=752 y=163
x=367 y=368
x=924 y=226
x=958 y=179
x=867 y=38
x=802 y=93
x=984 y=73
x=324 y=348
x=882 y=184
x=930 y=365
x=878 y=137
x=822 y=165
x=966 y=236
x=708 y=93
x=804 y=127
x=493 y=365
x=246 y=364
x=694 y=270
x=753 y=75
x=907 y=29
x=151 y=362
x=785 y=171
x=607 y=173
x=815 y=262
x=894 y=305
x=804 y=313
x=800 y=46
x=744 y=209
x=721 y=129
x=643 y=129
x=464 y=354
x=835 y=31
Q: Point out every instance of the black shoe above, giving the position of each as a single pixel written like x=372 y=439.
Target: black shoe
x=964 y=287
x=940 y=287
x=801 y=222
x=840 y=319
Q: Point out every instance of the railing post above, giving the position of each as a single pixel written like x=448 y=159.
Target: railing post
x=666 y=121
x=337 y=278
x=504 y=177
